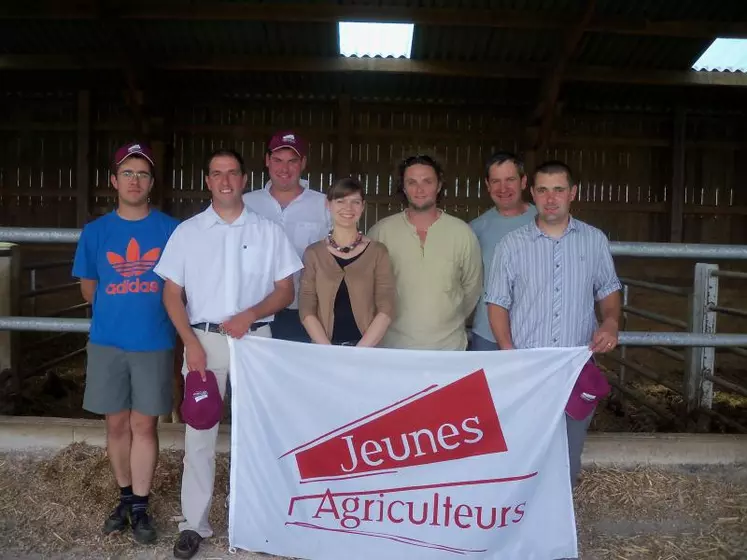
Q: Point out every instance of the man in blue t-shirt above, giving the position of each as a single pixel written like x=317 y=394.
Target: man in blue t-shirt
x=505 y=181
x=131 y=346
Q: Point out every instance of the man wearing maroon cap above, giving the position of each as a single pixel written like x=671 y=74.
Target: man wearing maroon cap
x=287 y=200
x=130 y=350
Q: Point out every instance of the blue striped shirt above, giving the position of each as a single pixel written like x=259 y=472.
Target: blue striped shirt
x=549 y=286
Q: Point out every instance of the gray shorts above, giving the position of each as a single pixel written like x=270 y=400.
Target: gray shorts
x=117 y=380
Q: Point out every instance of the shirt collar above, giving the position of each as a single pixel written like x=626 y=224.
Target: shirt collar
x=536 y=232
x=210 y=217
x=303 y=182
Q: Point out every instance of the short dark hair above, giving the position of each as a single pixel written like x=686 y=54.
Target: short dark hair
x=343 y=187
x=225 y=152
x=419 y=159
x=555 y=166
x=499 y=158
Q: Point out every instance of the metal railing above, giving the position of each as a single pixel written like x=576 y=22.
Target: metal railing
x=35 y=290
x=699 y=340
x=699 y=377
x=32 y=275
x=619 y=248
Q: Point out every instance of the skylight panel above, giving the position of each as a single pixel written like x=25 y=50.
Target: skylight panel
x=724 y=55
x=376 y=39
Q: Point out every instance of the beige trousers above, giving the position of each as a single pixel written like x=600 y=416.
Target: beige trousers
x=199 y=445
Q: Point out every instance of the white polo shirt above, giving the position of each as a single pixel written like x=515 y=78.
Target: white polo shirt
x=226 y=268
x=305 y=220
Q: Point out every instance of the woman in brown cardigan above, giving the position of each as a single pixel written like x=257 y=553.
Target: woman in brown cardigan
x=347 y=286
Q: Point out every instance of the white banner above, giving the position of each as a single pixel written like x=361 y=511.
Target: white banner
x=343 y=453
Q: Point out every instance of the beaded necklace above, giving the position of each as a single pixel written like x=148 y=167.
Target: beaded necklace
x=346 y=249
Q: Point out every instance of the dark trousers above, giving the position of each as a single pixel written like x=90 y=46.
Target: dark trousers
x=287 y=326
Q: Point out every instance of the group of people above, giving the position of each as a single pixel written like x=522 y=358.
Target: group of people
x=289 y=262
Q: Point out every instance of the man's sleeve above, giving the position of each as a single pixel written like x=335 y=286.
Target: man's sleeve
x=375 y=232
x=472 y=273
x=328 y=220
x=172 y=264
x=84 y=264
x=285 y=259
x=498 y=289
x=605 y=279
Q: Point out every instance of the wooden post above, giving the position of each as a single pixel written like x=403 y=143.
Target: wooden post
x=83 y=157
x=677 y=202
x=6 y=295
x=10 y=305
x=701 y=360
x=342 y=150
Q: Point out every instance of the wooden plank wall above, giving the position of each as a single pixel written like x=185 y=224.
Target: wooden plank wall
x=623 y=161
x=37 y=159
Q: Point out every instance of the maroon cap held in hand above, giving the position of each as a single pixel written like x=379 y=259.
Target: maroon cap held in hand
x=202 y=407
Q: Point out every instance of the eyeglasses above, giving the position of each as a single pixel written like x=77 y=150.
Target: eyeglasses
x=140 y=175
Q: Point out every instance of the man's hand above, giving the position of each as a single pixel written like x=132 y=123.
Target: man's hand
x=605 y=338
x=238 y=325
x=196 y=358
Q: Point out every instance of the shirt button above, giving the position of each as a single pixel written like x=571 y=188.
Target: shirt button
x=557 y=289
x=557 y=266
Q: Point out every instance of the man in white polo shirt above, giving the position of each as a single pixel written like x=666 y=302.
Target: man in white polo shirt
x=237 y=271
x=302 y=212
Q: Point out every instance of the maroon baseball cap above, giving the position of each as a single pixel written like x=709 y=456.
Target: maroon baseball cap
x=288 y=139
x=202 y=407
x=134 y=148
x=590 y=388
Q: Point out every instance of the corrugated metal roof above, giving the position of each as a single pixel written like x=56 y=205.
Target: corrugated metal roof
x=626 y=51
x=170 y=37
x=482 y=44
x=173 y=38
x=531 y=47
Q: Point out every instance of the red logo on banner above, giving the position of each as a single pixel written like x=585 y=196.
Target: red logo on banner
x=452 y=422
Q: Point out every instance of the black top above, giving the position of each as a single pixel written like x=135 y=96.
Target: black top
x=344 y=328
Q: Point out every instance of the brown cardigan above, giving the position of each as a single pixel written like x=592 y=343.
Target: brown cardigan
x=369 y=279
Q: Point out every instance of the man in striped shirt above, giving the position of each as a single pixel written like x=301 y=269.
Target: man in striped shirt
x=544 y=281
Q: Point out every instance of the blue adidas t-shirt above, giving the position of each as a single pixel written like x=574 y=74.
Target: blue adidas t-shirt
x=119 y=254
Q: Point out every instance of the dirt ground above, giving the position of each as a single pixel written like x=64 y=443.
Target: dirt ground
x=53 y=507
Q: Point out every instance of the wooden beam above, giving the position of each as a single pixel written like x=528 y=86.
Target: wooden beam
x=332 y=13
x=602 y=74
x=646 y=76
x=550 y=89
x=83 y=150
x=677 y=202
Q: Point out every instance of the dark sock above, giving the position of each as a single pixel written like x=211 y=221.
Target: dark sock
x=125 y=494
x=139 y=503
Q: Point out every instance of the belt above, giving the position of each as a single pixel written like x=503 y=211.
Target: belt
x=216 y=328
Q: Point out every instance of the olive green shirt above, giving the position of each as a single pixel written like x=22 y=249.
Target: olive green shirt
x=438 y=283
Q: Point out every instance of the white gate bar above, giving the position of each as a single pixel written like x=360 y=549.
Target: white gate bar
x=619 y=248
x=54 y=324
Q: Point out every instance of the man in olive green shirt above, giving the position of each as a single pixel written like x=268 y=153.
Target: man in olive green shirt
x=436 y=261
